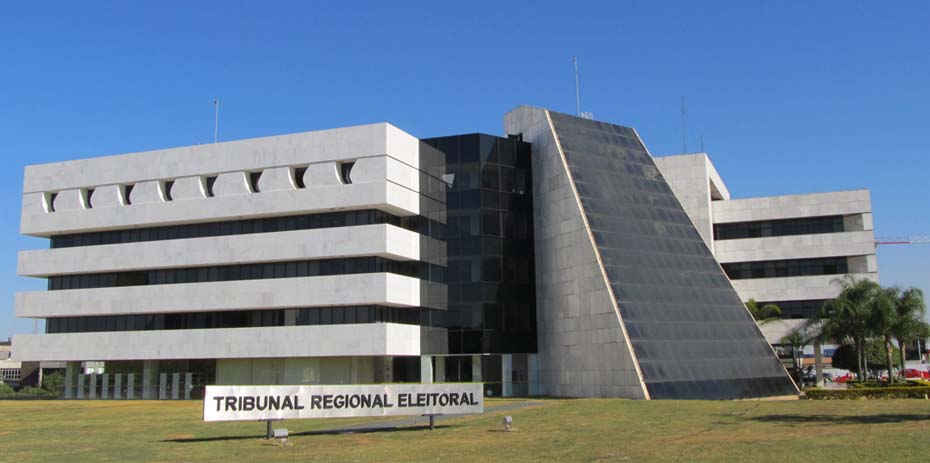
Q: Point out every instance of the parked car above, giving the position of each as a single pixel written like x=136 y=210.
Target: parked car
x=844 y=378
x=915 y=373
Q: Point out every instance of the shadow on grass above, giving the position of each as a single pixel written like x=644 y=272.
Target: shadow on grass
x=840 y=419
x=323 y=432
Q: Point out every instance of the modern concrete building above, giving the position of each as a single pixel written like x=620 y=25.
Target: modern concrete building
x=289 y=259
x=783 y=250
x=557 y=260
x=787 y=250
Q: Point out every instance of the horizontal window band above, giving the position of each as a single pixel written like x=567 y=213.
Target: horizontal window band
x=244 y=319
x=417 y=224
x=787 y=268
x=782 y=227
x=805 y=308
x=290 y=269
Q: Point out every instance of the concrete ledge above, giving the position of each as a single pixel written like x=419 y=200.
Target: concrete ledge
x=793 y=288
x=791 y=206
x=280 y=293
x=384 y=195
x=369 y=339
x=856 y=243
x=382 y=240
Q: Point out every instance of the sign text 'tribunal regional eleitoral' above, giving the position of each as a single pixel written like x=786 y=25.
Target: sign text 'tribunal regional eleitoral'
x=251 y=403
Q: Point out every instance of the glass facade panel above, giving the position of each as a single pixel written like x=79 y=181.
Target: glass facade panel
x=419 y=224
x=240 y=319
x=489 y=236
x=690 y=332
x=787 y=268
x=306 y=268
x=785 y=227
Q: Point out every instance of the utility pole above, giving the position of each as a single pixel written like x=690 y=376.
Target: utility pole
x=577 y=88
x=216 y=118
x=684 y=127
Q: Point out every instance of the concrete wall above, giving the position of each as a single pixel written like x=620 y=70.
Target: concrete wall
x=381 y=240
x=696 y=184
x=582 y=348
x=385 y=176
x=279 y=293
x=857 y=243
x=369 y=339
x=788 y=206
x=793 y=288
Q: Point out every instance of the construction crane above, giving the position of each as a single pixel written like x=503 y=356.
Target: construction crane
x=920 y=239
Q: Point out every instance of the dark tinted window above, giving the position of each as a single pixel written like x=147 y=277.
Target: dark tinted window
x=787 y=268
x=760 y=229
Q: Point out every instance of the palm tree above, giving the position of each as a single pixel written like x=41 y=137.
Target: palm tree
x=909 y=324
x=847 y=318
x=763 y=314
x=883 y=317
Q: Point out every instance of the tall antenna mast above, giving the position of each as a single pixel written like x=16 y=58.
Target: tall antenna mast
x=577 y=88
x=216 y=118
x=684 y=127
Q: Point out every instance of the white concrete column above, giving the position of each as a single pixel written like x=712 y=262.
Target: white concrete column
x=130 y=386
x=118 y=386
x=188 y=379
x=149 y=373
x=162 y=386
x=426 y=369
x=507 y=375
x=532 y=366
x=175 y=386
x=383 y=369
x=439 y=369
x=71 y=371
x=80 y=386
x=92 y=392
x=105 y=386
x=476 y=368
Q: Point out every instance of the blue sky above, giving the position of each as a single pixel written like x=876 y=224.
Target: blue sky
x=790 y=97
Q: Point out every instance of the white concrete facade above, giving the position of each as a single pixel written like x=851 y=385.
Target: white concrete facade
x=693 y=178
x=369 y=339
x=372 y=167
x=385 y=176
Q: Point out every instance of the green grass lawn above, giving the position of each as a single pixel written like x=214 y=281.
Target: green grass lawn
x=550 y=430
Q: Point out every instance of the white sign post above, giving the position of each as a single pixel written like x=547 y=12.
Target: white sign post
x=266 y=403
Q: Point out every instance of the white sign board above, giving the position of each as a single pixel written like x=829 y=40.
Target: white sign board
x=250 y=403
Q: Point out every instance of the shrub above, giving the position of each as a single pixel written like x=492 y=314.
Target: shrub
x=31 y=391
x=6 y=390
x=53 y=383
x=888 y=392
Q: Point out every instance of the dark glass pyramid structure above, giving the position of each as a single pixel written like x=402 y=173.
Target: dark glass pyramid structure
x=690 y=335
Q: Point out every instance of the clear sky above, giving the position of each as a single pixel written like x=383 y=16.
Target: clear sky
x=790 y=97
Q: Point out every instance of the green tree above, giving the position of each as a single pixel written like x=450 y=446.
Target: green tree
x=910 y=309
x=53 y=383
x=847 y=318
x=845 y=357
x=882 y=319
x=797 y=339
x=763 y=313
